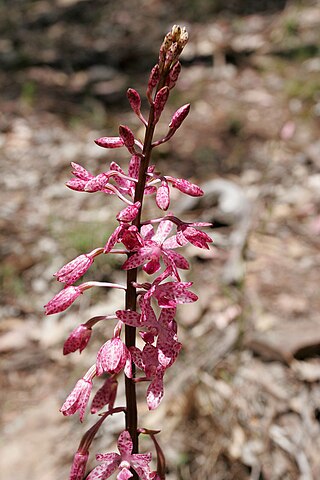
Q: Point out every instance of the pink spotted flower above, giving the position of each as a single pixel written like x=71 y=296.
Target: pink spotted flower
x=148 y=360
x=113 y=356
x=155 y=248
x=123 y=462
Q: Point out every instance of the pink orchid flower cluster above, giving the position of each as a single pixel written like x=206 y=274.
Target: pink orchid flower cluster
x=150 y=306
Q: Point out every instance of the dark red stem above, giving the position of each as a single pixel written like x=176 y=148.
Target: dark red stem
x=131 y=292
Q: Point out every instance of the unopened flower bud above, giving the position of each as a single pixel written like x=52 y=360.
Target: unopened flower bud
x=183 y=40
x=179 y=116
x=78 y=467
x=163 y=196
x=186 y=187
x=134 y=100
x=176 y=32
x=73 y=270
x=153 y=79
x=109 y=142
x=62 y=300
x=159 y=102
x=76 y=184
x=129 y=213
x=126 y=136
x=174 y=75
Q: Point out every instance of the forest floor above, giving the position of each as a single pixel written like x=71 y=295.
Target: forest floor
x=243 y=401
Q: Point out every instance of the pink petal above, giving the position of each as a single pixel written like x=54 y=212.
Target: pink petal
x=76 y=184
x=163 y=231
x=105 y=395
x=108 y=458
x=155 y=392
x=129 y=317
x=173 y=243
x=150 y=190
x=111 y=357
x=196 y=237
x=147 y=231
x=103 y=471
x=77 y=340
x=178 y=260
x=80 y=172
x=152 y=267
x=139 y=258
x=137 y=357
x=113 y=239
x=125 y=474
x=122 y=182
x=131 y=238
x=125 y=444
x=78 y=399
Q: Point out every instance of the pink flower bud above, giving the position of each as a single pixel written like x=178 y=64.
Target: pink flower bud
x=179 y=116
x=134 y=100
x=159 y=102
x=77 y=340
x=78 y=466
x=73 y=270
x=109 y=142
x=62 y=300
x=78 y=398
x=174 y=75
x=129 y=213
x=153 y=79
x=126 y=136
x=186 y=187
x=163 y=196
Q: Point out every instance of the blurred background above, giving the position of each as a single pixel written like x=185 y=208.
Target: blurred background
x=242 y=401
